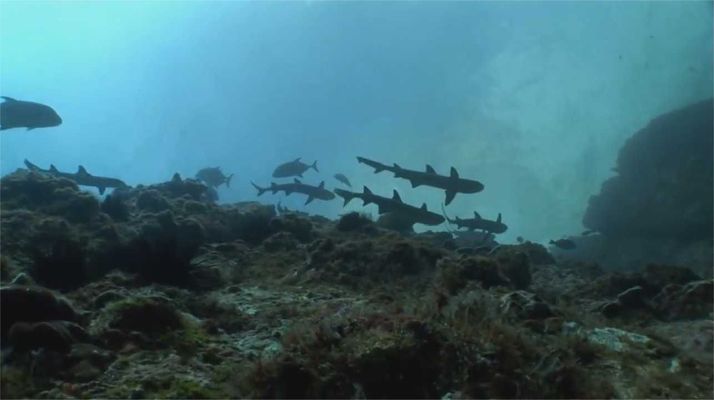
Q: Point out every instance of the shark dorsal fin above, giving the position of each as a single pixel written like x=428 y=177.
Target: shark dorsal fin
x=321 y=185
x=430 y=169
x=82 y=171
x=366 y=190
x=397 y=166
x=395 y=196
x=296 y=180
x=454 y=173
x=423 y=207
x=499 y=218
x=476 y=215
x=53 y=168
x=297 y=159
x=8 y=98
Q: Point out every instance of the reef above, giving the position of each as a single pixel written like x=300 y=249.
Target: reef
x=158 y=292
x=658 y=206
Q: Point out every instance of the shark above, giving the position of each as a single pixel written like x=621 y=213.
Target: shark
x=451 y=184
x=486 y=225
x=393 y=205
x=312 y=192
x=81 y=177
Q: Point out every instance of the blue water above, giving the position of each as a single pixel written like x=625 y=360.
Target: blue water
x=532 y=99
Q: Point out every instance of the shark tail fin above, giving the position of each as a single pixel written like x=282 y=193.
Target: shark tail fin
x=259 y=189
x=228 y=180
x=314 y=166
x=346 y=195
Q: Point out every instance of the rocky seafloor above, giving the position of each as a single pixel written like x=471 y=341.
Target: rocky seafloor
x=156 y=293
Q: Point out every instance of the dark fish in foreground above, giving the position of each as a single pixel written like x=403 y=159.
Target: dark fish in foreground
x=565 y=244
x=26 y=114
x=214 y=177
x=81 y=177
x=313 y=192
x=394 y=205
x=293 y=168
x=477 y=222
x=342 y=178
x=452 y=184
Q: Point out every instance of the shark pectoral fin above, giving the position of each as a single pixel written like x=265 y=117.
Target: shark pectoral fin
x=101 y=189
x=450 y=194
x=309 y=200
x=454 y=173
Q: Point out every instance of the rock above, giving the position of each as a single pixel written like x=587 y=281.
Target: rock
x=660 y=201
x=151 y=200
x=632 y=297
x=516 y=268
x=691 y=301
x=150 y=315
x=525 y=306
x=281 y=241
x=617 y=340
x=32 y=304
x=658 y=276
x=52 y=335
x=299 y=227
x=536 y=253
x=354 y=221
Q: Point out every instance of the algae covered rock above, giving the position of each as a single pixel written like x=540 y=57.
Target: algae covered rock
x=33 y=304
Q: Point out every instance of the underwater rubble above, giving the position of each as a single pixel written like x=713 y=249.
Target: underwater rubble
x=158 y=292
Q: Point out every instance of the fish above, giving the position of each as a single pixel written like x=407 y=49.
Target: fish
x=393 y=205
x=342 y=178
x=293 y=168
x=451 y=184
x=477 y=222
x=313 y=192
x=26 y=114
x=81 y=177
x=214 y=177
x=565 y=244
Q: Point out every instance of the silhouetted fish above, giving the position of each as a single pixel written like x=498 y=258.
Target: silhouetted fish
x=565 y=244
x=342 y=178
x=26 y=114
x=214 y=177
x=293 y=168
